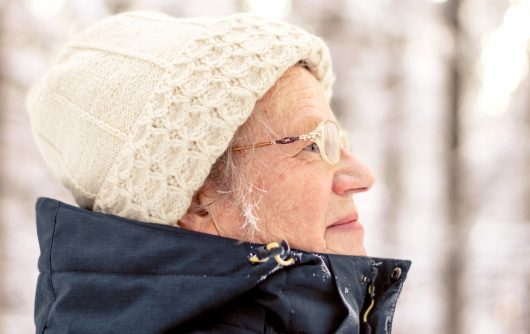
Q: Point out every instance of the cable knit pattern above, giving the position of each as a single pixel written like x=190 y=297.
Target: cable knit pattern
x=204 y=92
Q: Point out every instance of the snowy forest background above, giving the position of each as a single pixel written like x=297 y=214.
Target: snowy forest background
x=436 y=97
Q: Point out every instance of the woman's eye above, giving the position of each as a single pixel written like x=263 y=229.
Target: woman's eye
x=313 y=147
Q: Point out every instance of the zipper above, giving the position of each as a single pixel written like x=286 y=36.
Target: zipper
x=366 y=313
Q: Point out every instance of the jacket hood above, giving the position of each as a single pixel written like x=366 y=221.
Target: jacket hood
x=101 y=273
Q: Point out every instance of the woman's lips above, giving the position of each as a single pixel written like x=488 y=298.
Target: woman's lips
x=353 y=224
x=350 y=221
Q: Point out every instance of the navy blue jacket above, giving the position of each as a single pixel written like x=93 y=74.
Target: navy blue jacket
x=101 y=273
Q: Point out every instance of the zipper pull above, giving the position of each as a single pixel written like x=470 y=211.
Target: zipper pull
x=371 y=291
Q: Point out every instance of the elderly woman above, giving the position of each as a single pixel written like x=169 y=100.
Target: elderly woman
x=214 y=185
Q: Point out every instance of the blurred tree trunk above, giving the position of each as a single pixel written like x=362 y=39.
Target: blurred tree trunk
x=394 y=131
x=455 y=260
x=526 y=148
x=3 y=305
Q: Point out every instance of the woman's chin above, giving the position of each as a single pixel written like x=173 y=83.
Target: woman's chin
x=345 y=242
x=358 y=250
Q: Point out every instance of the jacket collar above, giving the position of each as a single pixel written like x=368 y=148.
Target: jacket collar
x=148 y=269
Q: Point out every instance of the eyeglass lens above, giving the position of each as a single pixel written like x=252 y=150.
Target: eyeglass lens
x=331 y=138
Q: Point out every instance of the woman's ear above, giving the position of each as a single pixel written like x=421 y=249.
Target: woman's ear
x=199 y=215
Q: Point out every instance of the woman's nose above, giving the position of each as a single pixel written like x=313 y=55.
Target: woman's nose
x=352 y=176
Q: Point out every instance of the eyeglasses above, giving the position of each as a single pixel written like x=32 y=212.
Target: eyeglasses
x=328 y=136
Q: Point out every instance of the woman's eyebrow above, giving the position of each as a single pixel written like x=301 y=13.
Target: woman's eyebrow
x=310 y=123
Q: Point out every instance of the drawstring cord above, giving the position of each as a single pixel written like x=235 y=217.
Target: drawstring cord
x=279 y=251
x=371 y=291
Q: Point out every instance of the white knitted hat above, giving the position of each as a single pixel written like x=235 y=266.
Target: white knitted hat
x=139 y=106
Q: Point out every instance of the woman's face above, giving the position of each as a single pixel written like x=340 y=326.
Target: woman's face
x=306 y=201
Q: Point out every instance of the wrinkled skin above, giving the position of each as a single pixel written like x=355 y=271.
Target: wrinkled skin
x=303 y=195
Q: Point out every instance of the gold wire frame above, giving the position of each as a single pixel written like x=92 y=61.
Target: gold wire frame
x=314 y=136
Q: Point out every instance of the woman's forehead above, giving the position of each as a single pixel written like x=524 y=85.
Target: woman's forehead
x=306 y=114
x=301 y=124
x=297 y=102
x=310 y=122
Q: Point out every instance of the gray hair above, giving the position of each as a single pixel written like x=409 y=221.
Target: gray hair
x=232 y=178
